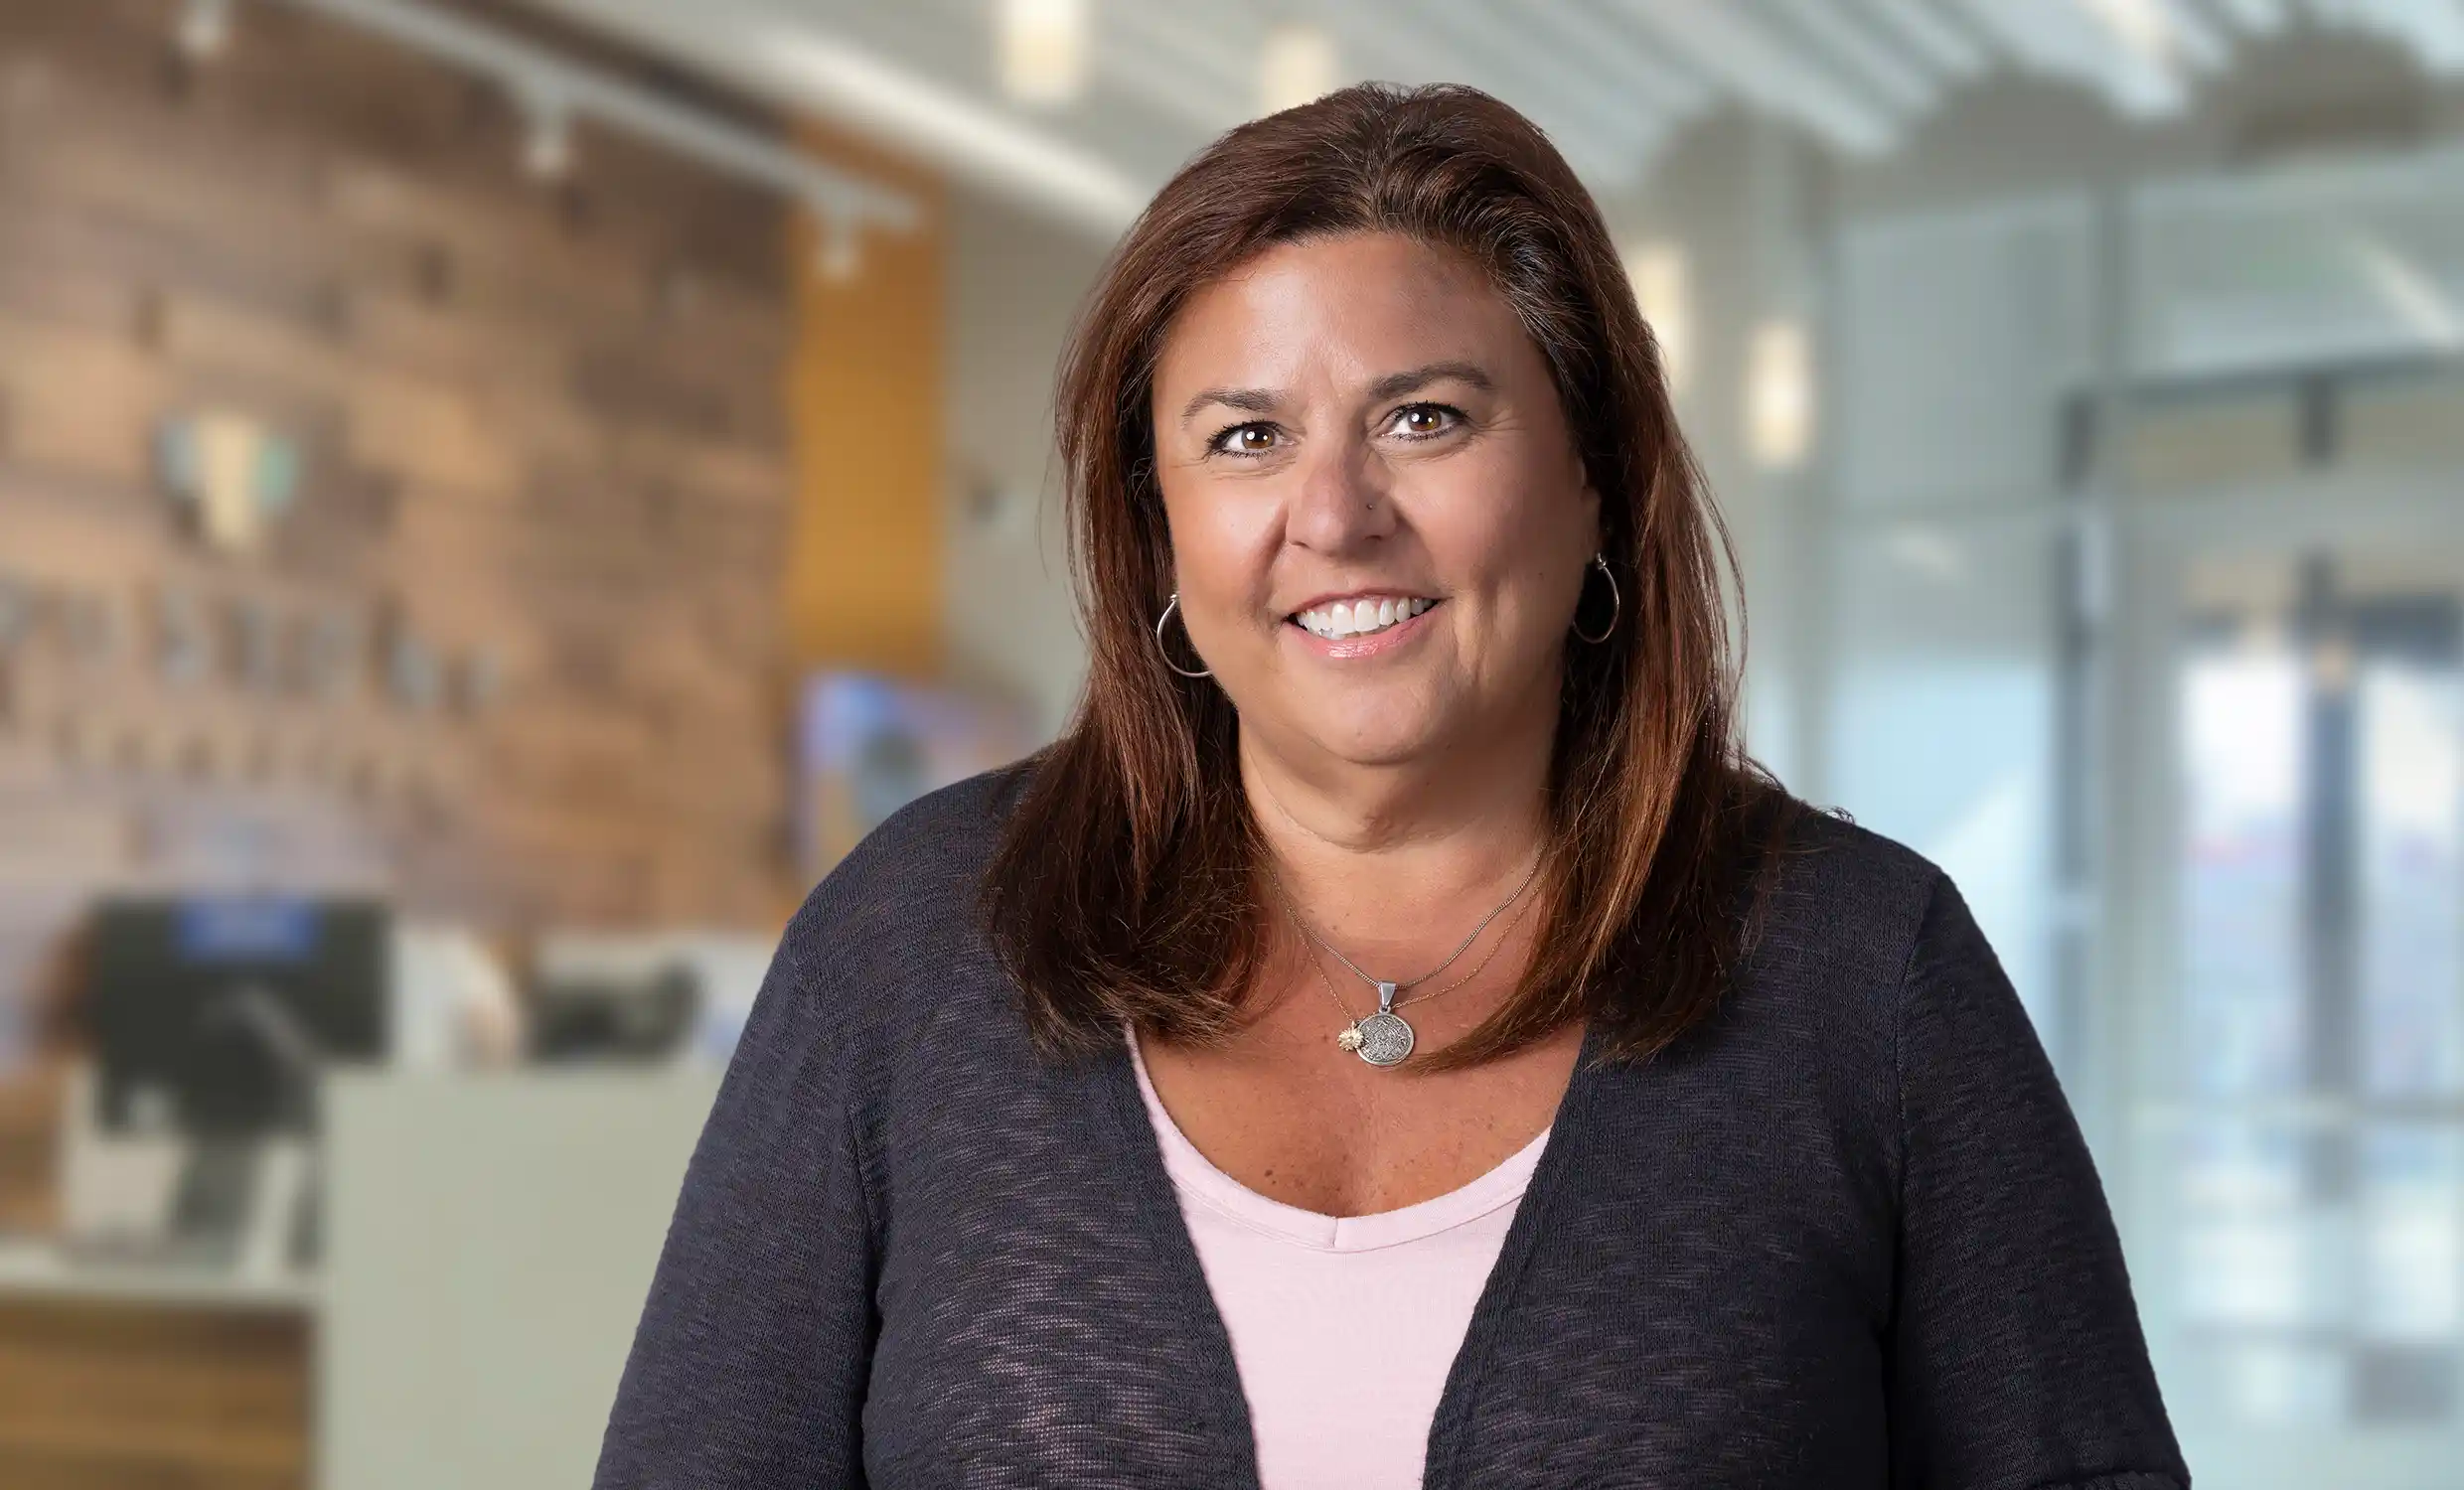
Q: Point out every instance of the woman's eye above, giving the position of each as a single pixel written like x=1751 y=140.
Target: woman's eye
x=1422 y=421
x=1246 y=439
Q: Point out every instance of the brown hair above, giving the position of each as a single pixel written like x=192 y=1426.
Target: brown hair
x=1124 y=885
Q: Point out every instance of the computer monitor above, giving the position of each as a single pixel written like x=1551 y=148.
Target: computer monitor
x=211 y=1012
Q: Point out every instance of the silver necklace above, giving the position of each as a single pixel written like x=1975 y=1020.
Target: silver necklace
x=1385 y=1038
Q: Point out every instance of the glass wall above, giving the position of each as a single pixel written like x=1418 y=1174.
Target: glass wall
x=2154 y=634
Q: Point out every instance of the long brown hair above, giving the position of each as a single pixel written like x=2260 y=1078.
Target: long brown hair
x=1124 y=886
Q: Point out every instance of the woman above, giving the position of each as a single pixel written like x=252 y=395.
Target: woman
x=1396 y=1036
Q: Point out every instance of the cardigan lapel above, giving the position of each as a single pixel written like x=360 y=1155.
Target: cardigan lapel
x=1569 y=1136
x=1221 y=1408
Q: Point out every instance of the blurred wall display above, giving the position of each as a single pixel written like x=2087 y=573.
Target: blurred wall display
x=372 y=510
x=237 y=475
x=868 y=745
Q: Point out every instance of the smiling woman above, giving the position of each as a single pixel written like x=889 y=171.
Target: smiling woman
x=1310 y=381
x=1397 y=1035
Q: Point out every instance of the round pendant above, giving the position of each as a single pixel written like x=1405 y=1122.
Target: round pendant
x=1384 y=1039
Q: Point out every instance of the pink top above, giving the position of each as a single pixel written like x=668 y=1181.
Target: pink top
x=1343 y=1326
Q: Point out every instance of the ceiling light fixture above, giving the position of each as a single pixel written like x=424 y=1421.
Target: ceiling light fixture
x=1657 y=270
x=2140 y=26
x=983 y=142
x=1780 y=394
x=1043 y=49
x=203 y=30
x=1296 y=65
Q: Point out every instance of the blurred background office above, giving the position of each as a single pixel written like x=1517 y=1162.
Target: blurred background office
x=496 y=497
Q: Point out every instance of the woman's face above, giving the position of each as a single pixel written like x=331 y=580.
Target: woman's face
x=1379 y=521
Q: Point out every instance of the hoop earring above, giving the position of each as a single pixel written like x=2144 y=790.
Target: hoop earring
x=1617 y=604
x=1170 y=606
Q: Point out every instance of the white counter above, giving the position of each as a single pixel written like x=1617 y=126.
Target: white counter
x=490 y=1239
x=41 y=1269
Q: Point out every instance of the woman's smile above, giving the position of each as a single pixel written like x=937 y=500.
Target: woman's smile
x=1364 y=624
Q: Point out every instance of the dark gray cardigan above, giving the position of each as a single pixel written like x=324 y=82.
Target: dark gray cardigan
x=1845 y=1234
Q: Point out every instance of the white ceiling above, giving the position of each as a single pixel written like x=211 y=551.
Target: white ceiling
x=1611 y=80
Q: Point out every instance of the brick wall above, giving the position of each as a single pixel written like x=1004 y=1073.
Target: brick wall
x=514 y=652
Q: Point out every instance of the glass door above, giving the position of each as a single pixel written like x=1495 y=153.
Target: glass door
x=2298 y=894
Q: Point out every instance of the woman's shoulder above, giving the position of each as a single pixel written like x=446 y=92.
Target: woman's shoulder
x=919 y=866
x=1844 y=900
x=891 y=934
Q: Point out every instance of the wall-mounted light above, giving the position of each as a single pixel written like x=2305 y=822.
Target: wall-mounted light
x=203 y=29
x=840 y=255
x=1297 y=64
x=1780 y=394
x=1657 y=270
x=1043 y=49
x=547 y=138
x=2140 y=26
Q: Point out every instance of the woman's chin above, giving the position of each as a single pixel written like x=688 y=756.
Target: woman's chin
x=1383 y=741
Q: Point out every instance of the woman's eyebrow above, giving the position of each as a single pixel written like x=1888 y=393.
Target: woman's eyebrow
x=1392 y=385
x=1396 y=385
x=1246 y=400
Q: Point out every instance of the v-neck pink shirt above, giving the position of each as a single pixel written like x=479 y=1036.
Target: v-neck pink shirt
x=1343 y=1326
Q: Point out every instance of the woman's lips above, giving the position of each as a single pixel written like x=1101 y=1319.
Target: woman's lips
x=1374 y=644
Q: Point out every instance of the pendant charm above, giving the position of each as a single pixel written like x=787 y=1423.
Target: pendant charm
x=1383 y=1038
x=1350 y=1038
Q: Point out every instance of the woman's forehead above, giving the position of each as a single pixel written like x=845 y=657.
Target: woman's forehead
x=1352 y=308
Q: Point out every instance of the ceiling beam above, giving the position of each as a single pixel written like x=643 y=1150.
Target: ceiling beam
x=1834 y=29
x=1614 y=106
x=1667 y=85
x=2200 y=40
x=1148 y=51
x=2259 y=17
x=1729 y=44
x=811 y=67
x=1597 y=132
x=2435 y=29
x=1948 y=47
x=545 y=78
x=2064 y=41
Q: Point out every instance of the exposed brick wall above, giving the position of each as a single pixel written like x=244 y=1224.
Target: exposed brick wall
x=543 y=447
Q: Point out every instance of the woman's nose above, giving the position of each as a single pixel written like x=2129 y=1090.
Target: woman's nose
x=1341 y=498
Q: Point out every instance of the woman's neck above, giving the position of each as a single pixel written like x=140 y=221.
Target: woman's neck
x=1394 y=864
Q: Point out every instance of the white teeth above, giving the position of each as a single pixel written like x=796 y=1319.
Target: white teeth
x=1360 y=618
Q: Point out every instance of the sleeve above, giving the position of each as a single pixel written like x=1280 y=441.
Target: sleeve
x=750 y=1363
x=2016 y=1359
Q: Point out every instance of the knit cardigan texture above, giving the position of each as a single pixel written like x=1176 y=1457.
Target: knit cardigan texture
x=1843 y=1234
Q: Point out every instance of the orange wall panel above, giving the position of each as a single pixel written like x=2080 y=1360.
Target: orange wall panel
x=865 y=396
